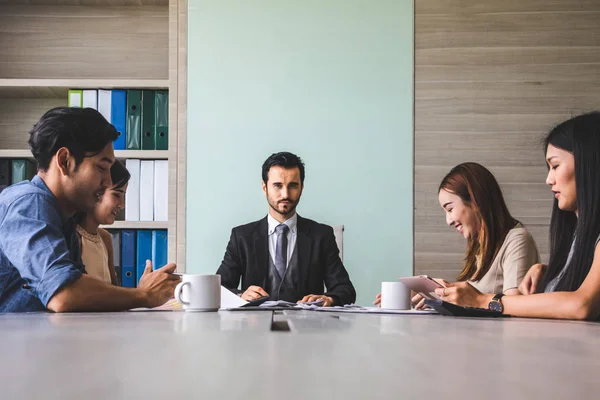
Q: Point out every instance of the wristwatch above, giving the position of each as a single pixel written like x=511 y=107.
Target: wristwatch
x=496 y=303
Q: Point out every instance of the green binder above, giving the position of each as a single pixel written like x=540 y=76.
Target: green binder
x=148 y=133
x=161 y=112
x=22 y=170
x=134 y=119
x=75 y=98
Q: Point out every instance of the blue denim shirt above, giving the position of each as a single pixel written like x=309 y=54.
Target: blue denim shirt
x=39 y=250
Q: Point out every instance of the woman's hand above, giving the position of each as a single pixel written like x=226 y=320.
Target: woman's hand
x=377 y=301
x=463 y=294
x=532 y=278
x=418 y=302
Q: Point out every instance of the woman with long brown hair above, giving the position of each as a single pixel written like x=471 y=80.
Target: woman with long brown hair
x=569 y=286
x=499 y=248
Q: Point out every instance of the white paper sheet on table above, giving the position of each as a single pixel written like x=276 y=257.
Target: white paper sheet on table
x=230 y=299
x=171 y=305
x=374 y=310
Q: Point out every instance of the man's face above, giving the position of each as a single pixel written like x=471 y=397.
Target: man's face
x=90 y=179
x=283 y=190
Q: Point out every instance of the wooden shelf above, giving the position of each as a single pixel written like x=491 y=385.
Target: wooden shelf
x=140 y=154
x=137 y=225
x=143 y=154
x=58 y=88
x=9 y=153
x=96 y=3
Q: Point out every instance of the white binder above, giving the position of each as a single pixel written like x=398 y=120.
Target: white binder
x=90 y=99
x=105 y=103
x=147 y=190
x=161 y=190
x=132 y=198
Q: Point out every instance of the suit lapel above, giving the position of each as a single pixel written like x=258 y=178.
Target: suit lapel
x=261 y=250
x=304 y=249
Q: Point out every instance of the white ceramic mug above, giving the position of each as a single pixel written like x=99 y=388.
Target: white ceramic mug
x=395 y=296
x=199 y=292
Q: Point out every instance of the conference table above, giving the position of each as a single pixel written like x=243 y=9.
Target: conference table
x=294 y=355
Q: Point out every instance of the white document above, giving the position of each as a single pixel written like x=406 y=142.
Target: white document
x=90 y=99
x=161 y=190
x=146 y=190
x=74 y=99
x=132 y=198
x=105 y=104
x=230 y=299
x=373 y=310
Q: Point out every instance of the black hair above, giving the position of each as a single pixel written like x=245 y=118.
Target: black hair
x=119 y=175
x=81 y=130
x=581 y=137
x=283 y=159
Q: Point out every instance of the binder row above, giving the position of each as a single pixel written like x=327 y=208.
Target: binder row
x=147 y=195
x=14 y=171
x=131 y=249
x=140 y=116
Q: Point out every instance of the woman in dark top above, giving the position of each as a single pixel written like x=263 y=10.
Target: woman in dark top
x=569 y=287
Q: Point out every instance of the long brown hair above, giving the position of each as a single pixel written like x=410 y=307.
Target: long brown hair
x=479 y=190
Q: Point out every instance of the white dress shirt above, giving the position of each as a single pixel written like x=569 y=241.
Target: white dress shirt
x=291 y=236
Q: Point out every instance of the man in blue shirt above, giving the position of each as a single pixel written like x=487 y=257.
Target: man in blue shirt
x=40 y=258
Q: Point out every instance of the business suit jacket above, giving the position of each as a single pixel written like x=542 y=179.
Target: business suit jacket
x=247 y=257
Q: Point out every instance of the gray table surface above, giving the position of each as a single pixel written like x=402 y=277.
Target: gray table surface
x=236 y=355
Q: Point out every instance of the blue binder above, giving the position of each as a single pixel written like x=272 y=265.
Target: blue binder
x=118 y=117
x=143 y=253
x=159 y=248
x=128 y=258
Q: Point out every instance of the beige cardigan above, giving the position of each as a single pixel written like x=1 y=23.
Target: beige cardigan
x=517 y=254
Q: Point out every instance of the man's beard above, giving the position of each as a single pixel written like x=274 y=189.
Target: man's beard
x=290 y=210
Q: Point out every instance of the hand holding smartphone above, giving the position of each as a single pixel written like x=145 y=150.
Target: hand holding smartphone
x=423 y=285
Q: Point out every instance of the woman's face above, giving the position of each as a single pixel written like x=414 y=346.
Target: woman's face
x=459 y=215
x=561 y=177
x=111 y=203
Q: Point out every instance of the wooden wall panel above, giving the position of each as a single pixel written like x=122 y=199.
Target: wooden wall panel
x=491 y=78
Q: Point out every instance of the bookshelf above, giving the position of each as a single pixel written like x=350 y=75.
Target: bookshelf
x=137 y=225
x=51 y=46
x=120 y=154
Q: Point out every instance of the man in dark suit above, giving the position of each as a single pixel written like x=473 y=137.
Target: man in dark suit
x=283 y=255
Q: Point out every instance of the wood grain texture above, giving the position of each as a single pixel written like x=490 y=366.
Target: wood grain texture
x=515 y=55
x=87 y=2
x=18 y=117
x=491 y=79
x=85 y=42
x=58 y=88
x=453 y=7
x=181 y=142
x=173 y=127
x=508 y=73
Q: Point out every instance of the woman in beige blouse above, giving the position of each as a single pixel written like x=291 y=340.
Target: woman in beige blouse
x=96 y=244
x=499 y=248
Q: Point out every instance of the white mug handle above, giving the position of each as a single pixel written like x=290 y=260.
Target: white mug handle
x=177 y=294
